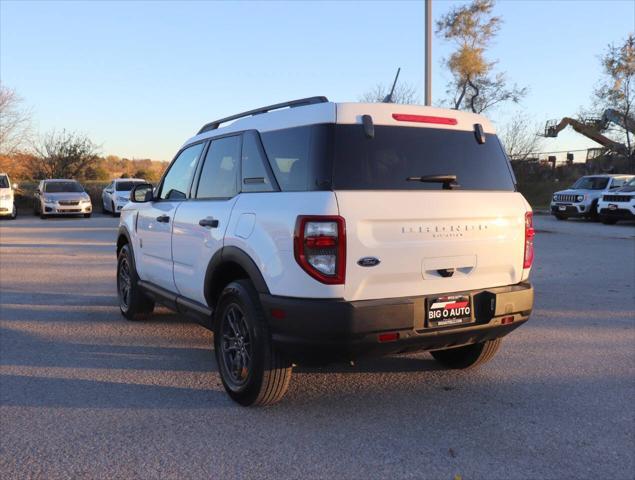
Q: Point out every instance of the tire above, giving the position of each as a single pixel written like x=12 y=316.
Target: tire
x=14 y=214
x=104 y=210
x=608 y=221
x=593 y=212
x=43 y=216
x=469 y=356
x=241 y=331
x=133 y=303
x=561 y=217
x=114 y=212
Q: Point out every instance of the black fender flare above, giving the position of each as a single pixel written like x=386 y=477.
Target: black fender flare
x=123 y=232
x=239 y=257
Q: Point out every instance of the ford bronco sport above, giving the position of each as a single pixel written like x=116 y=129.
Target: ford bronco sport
x=312 y=231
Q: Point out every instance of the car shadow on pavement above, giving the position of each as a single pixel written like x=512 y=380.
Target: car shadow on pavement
x=403 y=363
x=38 y=391
x=24 y=349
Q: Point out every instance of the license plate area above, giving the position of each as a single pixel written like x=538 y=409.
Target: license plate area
x=612 y=206
x=562 y=208
x=449 y=311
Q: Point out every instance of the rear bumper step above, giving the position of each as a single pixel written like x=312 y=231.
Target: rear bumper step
x=316 y=330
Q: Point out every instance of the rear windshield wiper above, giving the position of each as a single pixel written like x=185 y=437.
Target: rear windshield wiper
x=448 y=181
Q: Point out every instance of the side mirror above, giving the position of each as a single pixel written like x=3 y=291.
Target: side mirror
x=142 y=193
x=14 y=186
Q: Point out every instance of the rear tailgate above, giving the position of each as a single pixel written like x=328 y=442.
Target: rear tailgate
x=420 y=236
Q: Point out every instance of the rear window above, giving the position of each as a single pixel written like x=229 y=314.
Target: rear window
x=62 y=187
x=4 y=181
x=126 y=186
x=342 y=157
x=386 y=161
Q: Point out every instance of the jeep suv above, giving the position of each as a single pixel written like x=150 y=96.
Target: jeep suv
x=581 y=199
x=618 y=205
x=312 y=231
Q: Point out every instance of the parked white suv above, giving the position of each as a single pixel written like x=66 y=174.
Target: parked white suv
x=117 y=193
x=7 y=204
x=311 y=231
x=618 y=205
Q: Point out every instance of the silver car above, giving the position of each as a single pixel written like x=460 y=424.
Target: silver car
x=61 y=197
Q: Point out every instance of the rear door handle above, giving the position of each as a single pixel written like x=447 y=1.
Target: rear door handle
x=208 y=222
x=163 y=219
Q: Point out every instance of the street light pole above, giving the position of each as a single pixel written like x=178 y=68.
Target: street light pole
x=428 y=56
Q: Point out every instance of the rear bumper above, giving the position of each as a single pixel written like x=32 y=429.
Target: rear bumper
x=315 y=330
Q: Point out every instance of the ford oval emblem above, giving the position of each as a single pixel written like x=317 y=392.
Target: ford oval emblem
x=368 y=262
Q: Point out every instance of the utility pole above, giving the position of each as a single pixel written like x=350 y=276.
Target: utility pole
x=428 y=56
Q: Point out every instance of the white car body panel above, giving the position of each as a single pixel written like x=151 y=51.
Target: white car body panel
x=193 y=246
x=415 y=234
x=270 y=244
x=7 y=207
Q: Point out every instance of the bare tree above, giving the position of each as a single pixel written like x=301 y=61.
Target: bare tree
x=64 y=155
x=15 y=122
x=404 y=93
x=474 y=85
x=520 y=138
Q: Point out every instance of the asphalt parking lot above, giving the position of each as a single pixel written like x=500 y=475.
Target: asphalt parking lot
x=84 y=393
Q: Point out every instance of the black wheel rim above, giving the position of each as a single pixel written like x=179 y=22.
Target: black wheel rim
x=235 y=346
x=124 y=283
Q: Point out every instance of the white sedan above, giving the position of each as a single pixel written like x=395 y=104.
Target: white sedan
x=117 y=194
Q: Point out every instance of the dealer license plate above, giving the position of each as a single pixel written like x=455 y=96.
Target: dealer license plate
x=449 y=310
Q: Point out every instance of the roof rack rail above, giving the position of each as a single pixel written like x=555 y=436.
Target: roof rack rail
x=293 y=103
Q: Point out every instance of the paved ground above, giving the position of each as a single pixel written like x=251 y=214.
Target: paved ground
x=83 y=393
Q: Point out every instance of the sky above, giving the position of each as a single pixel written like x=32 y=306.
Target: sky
x=139 y=78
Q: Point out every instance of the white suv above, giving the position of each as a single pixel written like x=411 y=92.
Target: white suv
x=7 y=203
x=312 y=231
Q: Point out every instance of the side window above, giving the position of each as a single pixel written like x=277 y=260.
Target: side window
x=219 y=176
x=177 y=181
x=254 y=174
x=618 y=182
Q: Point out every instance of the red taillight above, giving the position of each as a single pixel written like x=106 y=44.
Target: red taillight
x=529 y=240
x=388 y=337
x=320 y=247
x=406 y=117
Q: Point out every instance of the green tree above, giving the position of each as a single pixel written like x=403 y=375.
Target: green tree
x=616 y=91
x=475 y=86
